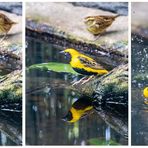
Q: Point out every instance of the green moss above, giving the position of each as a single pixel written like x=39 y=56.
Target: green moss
x=7 y=96
x=101 y=141
x=141 y=77
x=11 y=87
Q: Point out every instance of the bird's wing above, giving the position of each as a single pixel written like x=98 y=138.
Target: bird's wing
x=88 y=62
x=100 y=20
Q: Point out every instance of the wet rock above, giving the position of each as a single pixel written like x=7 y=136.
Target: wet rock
x=120 y=8
x=12 y=7
x=140 y=19
x=66 y=21
x=11 y=46
x=10 y=59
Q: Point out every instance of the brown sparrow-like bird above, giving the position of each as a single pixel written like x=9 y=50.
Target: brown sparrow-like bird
x=5 y=25
x=98 y=24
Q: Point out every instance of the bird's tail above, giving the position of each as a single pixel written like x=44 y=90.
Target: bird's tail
x=14 y=23
x=117 y=15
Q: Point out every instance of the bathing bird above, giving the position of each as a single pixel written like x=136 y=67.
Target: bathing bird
x=145 y=92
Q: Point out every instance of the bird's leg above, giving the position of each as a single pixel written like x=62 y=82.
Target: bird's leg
x=3 y=38
x=88 y=79
x=97 y=37
x=78 y=81
x=6 y=37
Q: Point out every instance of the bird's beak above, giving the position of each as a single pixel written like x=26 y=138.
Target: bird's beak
x=62 y=51
x=14 y=23
x=64 y=119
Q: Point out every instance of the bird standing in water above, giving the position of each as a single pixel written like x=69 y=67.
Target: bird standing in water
x=98 y=24
x=83 y=64
x=5 y=25
x=145 y=94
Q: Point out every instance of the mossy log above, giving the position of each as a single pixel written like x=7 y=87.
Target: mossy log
x=11 y=88
x=110 y=93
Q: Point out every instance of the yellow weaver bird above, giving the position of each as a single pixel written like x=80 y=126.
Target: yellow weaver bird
x=79 y=109
x=5 y=25
x=98 y=24
x=145 y=94
x=83 y=64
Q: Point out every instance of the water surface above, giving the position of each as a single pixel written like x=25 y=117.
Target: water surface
x=10 y=128
x=139 y=109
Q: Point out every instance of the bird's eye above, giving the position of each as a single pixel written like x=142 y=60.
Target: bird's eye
x=68 y=56
x=69 y=115
x=89 y=21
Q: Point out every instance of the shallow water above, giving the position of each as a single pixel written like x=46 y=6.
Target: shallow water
x=10 y=128
x=49 y=98
x=4 y=140
x=139 y=109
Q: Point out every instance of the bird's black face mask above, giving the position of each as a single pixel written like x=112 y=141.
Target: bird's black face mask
x=68 y=117
x=68 y=56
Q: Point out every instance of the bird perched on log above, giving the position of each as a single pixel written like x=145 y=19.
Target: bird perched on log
x=5 y=25
x=80 y=108
x=83 y=64
x=98 y=24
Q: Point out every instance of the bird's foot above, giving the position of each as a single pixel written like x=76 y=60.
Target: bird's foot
x=85 y=81
x=97 y=38
x=2 y=39
x=97 y=105
x=77 y=82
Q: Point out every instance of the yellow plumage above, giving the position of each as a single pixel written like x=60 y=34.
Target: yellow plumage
x=80 y=108
x=77 y=114
x=145 y=92
x=84 y=64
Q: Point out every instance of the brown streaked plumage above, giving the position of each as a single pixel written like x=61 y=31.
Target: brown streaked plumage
x=5 y=24
x=98 y=24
